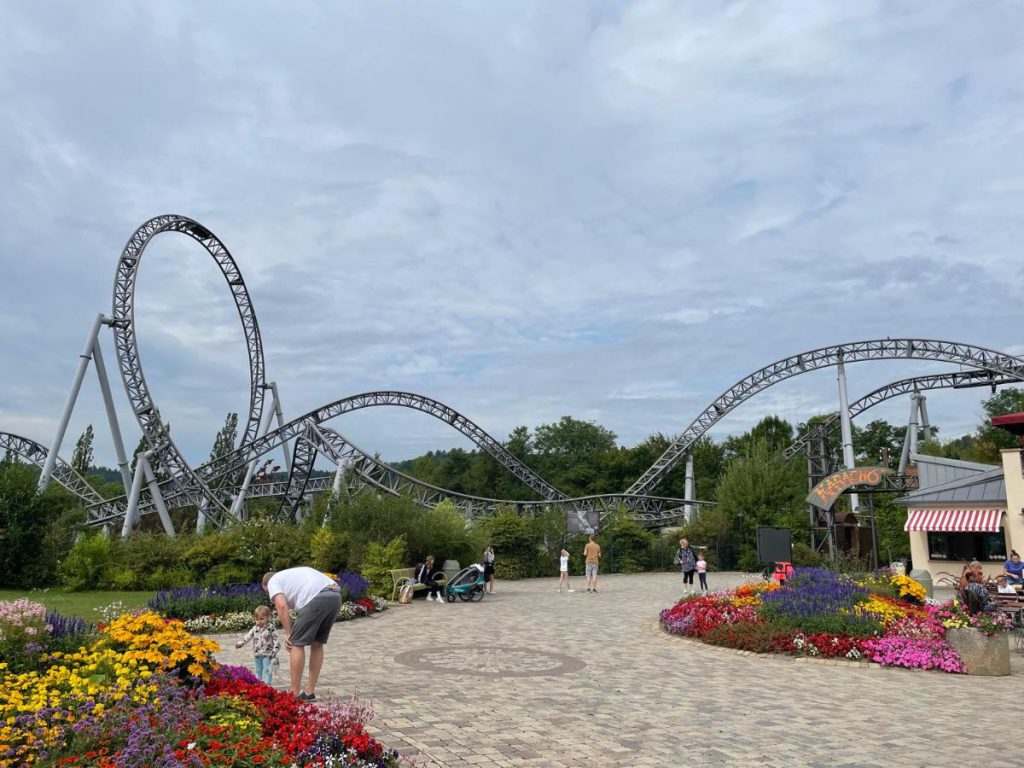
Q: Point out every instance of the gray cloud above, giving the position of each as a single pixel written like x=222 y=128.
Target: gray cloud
x=524 y=210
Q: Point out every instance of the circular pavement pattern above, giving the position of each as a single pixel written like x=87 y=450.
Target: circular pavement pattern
x=493 y=661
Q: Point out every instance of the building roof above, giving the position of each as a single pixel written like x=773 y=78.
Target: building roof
x=1011 y=422
x=936 y=470
x=978 y=488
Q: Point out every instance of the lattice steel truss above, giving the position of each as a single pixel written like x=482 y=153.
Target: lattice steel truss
x=951 y=380
x=217 y=490
x=979 y=358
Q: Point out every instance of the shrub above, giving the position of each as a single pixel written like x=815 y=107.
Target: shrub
x=379 y=560
x=443 y=533
x=514 y=545
x=138 y=558
x=212 y=549
x=328 y=550
x=87 y=564
x=227 y=573
x=627 y=545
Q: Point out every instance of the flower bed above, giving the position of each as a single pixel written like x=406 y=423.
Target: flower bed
x=229 y=608
x=880 y=617
x=145 y=692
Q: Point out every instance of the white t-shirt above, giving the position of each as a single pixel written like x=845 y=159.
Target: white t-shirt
x=563 y=563
x=702 y=565
x=298 y=585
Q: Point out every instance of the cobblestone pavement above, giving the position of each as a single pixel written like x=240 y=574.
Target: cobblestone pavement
x=531 y=677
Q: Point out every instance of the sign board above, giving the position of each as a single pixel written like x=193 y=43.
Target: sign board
x=774 y=545
x=583 y=521
x=825 y=493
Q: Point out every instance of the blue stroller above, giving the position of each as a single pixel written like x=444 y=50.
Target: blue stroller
x=467 y=584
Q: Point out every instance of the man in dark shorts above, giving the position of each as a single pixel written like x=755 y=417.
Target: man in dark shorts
x=316 y=599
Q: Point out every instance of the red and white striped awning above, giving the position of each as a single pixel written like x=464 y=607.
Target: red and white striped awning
x=954 y=520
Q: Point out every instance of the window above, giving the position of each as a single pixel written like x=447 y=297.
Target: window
x=967 y=546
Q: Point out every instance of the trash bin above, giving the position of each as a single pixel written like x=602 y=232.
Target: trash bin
x=924 y=578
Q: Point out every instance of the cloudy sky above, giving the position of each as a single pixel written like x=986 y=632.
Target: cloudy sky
x=525 y=210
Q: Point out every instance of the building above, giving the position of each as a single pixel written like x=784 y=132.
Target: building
x=965 y=511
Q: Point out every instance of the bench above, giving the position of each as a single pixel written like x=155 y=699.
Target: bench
x=401 y=575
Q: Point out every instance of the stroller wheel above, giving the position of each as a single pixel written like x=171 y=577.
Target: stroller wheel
x=464 y=596
x=476 y=594
x=451 y=597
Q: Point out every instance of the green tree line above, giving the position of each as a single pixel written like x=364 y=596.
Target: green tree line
x=745 y=475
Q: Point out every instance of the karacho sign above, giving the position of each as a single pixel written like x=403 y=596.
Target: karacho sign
x=825 y=493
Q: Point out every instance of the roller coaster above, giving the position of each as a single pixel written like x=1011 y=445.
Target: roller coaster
x=162 y=480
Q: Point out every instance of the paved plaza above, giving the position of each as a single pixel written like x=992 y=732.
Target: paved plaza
x=531 y=677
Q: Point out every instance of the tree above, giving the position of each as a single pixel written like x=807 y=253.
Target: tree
x=572 y=454
x=82 y=458
x=761 y=488
x=879 y=443
x=224 y=442
x=573 y=438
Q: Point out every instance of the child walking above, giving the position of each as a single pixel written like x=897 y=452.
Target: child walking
x=265 y=645
x=702 y=571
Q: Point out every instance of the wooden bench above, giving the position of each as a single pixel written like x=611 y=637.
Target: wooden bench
x=399 y=576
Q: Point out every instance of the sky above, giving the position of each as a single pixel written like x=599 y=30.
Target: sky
x=525 y=210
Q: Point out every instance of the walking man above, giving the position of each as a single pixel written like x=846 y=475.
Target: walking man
x=316 y=600
x=592 y=555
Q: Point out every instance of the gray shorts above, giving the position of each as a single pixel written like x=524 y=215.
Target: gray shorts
x=314 y=621
x=591 y=571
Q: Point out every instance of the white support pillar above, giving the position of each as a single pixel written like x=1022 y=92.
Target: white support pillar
x=69 y=404
x=905 y=455
x=279 y=415
x=915 y=403
x=158 y=498
x=108 y=402
x=132 y=512
x=926 y=427
x=201 y=517
x=847 y=427
x=274 y=410
x=689 y=488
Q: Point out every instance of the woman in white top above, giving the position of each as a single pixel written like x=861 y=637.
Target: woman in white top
x=563 y=571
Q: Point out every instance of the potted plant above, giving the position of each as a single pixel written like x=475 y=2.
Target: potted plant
x=977 y=630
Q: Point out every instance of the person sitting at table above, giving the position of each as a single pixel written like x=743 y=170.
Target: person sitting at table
x=1013 y=569
x=1002 y=587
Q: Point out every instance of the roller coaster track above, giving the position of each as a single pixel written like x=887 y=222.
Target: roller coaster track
x=233 y=462
x=210 y=486
x=951 y=380
x=978 y=358
x=63 y=473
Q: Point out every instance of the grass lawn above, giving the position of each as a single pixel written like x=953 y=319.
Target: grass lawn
x=81 y=604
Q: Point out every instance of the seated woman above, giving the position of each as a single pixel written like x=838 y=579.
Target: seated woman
x=1013 y=569
x=425 y=575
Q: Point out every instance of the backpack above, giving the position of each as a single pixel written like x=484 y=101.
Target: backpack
x=405 y=596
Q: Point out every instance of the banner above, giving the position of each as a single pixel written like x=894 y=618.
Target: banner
x=825 y=493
